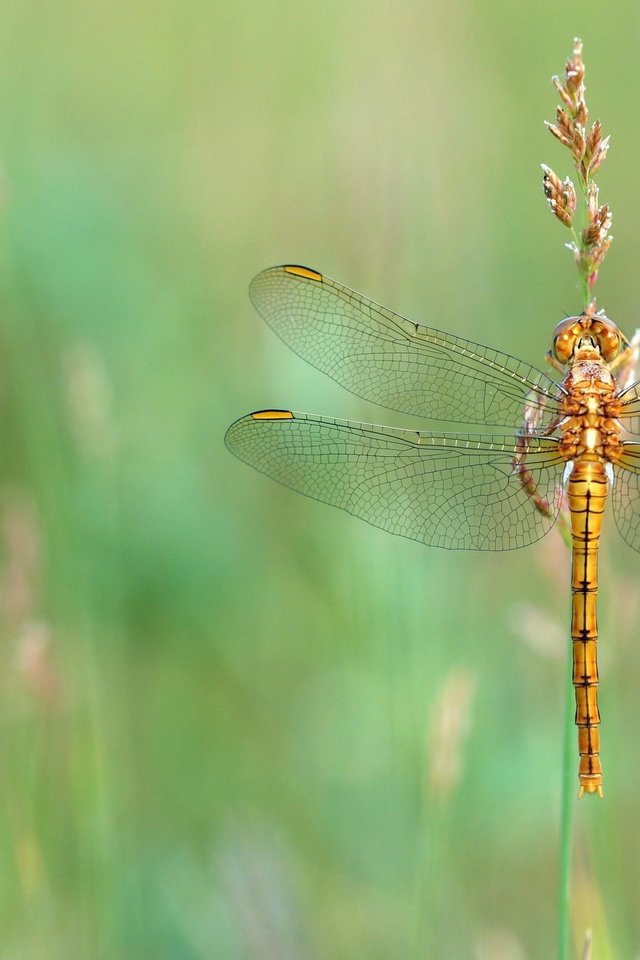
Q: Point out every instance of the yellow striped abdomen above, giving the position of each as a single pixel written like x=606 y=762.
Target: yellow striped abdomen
x=587 y=495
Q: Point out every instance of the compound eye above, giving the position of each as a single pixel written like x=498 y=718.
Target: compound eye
x=565 y=336
x=563 y=347
x=609 y=338
x=610 y=347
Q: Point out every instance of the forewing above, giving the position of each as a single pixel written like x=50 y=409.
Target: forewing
x=391 y=361
x=625 y=495
x=450 y=490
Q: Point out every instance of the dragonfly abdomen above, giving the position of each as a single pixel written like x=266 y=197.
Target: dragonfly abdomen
x=587 y=494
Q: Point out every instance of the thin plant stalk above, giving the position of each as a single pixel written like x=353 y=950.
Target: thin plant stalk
x=589 y=222
x=567 y=804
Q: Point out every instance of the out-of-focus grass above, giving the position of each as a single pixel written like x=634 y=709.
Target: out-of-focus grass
x=218 y=700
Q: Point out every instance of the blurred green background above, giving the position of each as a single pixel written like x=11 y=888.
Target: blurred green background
x=236 y=724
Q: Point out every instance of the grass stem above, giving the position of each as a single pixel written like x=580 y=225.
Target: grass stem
x=567 y=802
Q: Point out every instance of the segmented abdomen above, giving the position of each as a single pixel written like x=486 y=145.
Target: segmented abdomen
x=587 y=494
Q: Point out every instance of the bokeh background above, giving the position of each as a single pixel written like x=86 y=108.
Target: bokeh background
x=236 y=724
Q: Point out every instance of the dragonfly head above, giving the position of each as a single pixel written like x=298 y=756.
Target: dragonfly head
x=594 y=337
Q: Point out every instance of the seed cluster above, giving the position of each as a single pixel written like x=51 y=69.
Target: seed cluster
x=588 y=149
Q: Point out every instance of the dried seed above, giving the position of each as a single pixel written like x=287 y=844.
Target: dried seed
x=558 y=134
x=564 y=122
x=599 y=156
x=564 y=95
x=579 y=142
x=594 y=137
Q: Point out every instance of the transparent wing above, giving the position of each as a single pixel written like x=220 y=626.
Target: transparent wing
x=391 y=361
x=630 y=410
x=457 y=491
x=625 y=495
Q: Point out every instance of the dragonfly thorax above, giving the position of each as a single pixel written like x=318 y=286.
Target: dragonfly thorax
x=588 y=375
x=587 y=337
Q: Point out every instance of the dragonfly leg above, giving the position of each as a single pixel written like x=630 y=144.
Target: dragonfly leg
x=554 y=362
x=532 y=424
x=527 y=481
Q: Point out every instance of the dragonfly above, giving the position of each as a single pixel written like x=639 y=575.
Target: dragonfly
x=555 y=444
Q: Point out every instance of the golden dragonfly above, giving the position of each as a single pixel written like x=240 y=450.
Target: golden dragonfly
x=460 y=491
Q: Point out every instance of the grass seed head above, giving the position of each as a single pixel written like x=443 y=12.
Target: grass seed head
x=588 y=148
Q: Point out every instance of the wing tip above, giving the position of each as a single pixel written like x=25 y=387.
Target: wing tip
x=236 y=434
x=260 y=285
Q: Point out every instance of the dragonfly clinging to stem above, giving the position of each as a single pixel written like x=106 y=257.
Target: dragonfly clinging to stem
x=465 y=491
